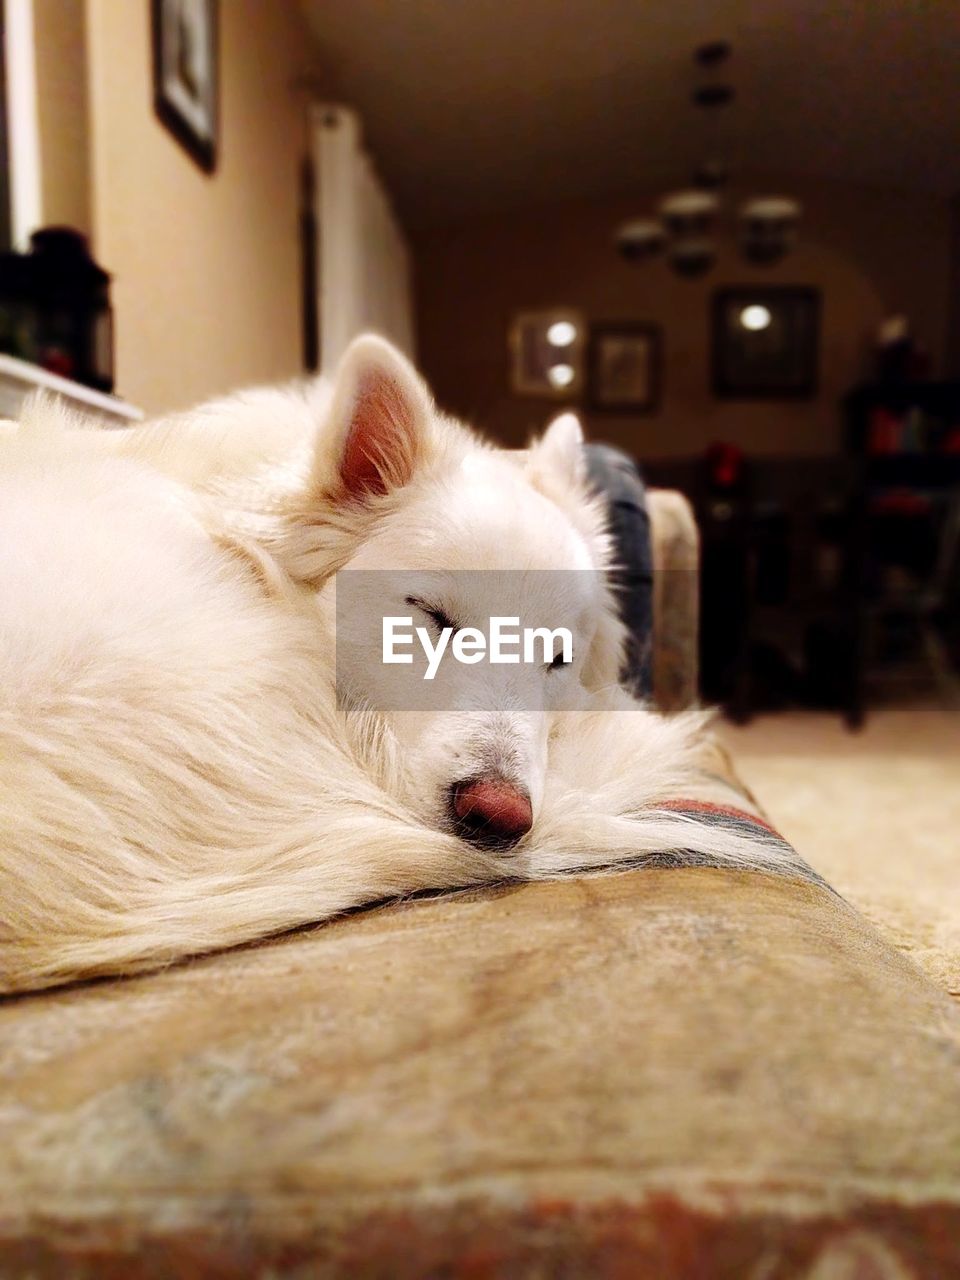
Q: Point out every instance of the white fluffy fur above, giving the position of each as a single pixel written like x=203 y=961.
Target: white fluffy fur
x=175 y=776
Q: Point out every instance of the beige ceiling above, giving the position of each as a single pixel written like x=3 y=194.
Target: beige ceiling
x=474 y=105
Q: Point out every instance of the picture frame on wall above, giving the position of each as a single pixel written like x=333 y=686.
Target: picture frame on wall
x=766 y=342
x=546 y=353
x=624 y=362
x=186 y=75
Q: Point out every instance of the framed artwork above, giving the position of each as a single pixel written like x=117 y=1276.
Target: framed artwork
x=546 y=349
x=186 y=74
x=624 y=368
x=766 y=342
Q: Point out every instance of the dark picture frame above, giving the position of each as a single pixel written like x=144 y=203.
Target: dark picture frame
x=766 y=342
x=624 y=367
x=186 y=75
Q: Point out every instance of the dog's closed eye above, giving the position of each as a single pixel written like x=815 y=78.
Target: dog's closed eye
x=558 y=662
x=436 y=615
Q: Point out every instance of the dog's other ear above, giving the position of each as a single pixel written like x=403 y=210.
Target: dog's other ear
x=557 y=467
x=379 y=421
x=559 y=451
x=556 y=464
x=556 y=461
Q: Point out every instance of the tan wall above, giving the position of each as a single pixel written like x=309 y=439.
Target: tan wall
x=869 y=251
x=62 y=118
x=207 y=288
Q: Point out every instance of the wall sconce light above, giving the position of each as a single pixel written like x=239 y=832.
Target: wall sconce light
x=546 y=349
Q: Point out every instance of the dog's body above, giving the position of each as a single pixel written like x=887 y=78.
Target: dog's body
x=175 y=772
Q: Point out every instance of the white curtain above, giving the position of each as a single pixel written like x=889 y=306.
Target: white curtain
x=363 y=262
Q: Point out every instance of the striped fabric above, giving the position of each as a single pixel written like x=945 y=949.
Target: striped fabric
x=773 y=854
x=785 y=860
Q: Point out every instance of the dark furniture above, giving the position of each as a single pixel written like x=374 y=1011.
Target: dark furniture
x=801 y=601
x=906 y=438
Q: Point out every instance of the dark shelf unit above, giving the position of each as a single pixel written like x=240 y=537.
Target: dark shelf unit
x=938 y=402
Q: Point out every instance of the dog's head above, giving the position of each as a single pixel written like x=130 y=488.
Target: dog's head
x=452 y=533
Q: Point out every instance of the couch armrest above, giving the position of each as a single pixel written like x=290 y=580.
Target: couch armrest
x=667 y=1073
x=676 y=599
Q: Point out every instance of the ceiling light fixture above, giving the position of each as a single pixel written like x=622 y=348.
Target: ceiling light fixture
x=688 y=221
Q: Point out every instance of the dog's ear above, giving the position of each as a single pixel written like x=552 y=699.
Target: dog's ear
x=379 y=421
x=559 y=451
x=556 y=464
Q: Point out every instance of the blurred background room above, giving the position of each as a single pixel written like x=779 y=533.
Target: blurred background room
x=727 y=235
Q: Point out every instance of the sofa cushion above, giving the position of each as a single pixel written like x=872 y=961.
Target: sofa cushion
x=666 y=1072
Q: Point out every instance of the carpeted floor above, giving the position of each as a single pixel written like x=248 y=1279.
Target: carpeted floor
x=877 y=813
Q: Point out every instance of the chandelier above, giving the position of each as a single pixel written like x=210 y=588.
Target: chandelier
x=688 y=221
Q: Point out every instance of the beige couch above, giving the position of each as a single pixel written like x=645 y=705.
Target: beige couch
x=665 y=1073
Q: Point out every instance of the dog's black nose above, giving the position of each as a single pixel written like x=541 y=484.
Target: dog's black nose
x=490 y=812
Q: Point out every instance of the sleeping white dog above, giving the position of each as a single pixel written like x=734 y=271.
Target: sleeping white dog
x=185 y=764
